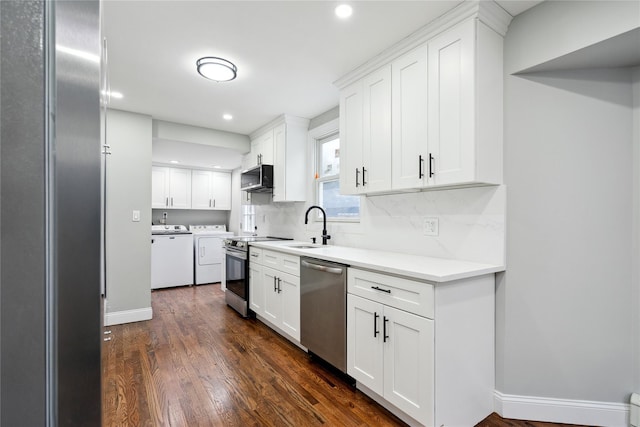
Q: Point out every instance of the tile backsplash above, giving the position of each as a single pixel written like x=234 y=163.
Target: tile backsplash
x=471 y=223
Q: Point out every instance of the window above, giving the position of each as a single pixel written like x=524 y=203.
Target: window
x=248 y=219
x=337 y=206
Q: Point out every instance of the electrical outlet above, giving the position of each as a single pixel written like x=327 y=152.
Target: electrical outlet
x=430 y=226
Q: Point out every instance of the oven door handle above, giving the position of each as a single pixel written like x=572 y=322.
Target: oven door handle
x=236 y=254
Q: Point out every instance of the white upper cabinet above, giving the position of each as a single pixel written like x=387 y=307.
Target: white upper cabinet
x=170 y=188
x=365 y=131
x=282 y=143
x=465 y=105
x=409 y=124
x=376 y=144
x=210 y=190
x=261 y=150
x=431 y=109
x=176 y=188
x=351 y=131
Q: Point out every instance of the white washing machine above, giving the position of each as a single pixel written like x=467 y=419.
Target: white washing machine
x=171 y=256
x=208 y=252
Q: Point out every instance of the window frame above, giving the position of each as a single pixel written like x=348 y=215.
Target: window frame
x=329 y=133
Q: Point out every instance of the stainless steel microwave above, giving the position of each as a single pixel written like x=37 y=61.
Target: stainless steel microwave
x=258 y=179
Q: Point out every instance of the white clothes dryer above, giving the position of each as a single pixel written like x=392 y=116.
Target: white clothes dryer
x=208 y=252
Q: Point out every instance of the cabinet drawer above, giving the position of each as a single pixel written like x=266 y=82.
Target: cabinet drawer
x=255 y=255
x=281 y=261
x=404 y=294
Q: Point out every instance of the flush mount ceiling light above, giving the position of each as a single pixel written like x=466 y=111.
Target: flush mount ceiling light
x=343 y=11
x=227 y=116
x=216 y=69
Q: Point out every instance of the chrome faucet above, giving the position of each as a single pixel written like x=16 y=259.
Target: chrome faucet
x=325 y=236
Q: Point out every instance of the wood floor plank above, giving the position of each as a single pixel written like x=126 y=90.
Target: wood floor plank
x=198 y=363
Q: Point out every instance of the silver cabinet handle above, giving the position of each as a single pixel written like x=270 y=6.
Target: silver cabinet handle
x=172 y=201
x=332 y=270
x=209 y=202
x=167 y=202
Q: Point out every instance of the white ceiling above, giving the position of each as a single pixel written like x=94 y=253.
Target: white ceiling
x=288 y=54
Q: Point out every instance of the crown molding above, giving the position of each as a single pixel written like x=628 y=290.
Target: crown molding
x=285 y=118
x=486 y=11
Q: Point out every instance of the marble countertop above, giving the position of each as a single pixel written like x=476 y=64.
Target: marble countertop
x=411 y=266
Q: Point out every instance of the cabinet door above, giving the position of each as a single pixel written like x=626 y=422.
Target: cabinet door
x=221 y=190
x=279 y=163
x=409 y=105
x=376 y=141
x=201 y=190
x=180 y=188
x=256 y=288
x=451 y=105
x=272 y=300
x=364 y=342
x=409 y=363
x=351 y=139
x=159 y=187
x=266 y=148
x=288 y=287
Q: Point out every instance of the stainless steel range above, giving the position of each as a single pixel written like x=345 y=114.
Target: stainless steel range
x=237 y=271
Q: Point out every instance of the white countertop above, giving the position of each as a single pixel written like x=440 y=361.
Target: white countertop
x=412 y=266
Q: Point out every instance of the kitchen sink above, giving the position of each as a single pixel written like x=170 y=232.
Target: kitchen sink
x=304 y=246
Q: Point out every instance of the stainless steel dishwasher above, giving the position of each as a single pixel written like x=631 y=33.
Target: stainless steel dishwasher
x=323 y=310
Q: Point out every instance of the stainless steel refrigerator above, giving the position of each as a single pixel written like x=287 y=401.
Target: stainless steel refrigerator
x=50 y=162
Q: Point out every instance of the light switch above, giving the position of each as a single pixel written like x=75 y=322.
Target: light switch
x=136 y=216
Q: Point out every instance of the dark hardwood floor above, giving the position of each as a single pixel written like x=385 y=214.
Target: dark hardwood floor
x=198 y=363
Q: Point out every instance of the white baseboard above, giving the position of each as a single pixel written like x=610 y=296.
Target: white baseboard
x=564 y=411
x=128 y=316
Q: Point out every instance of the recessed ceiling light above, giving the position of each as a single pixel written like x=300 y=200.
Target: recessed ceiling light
x=343 y=11
x=174 y=161
x=216 y=69
x=217 y=166
x=227 y=116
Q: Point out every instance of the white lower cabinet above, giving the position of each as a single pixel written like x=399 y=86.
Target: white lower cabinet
x=282 y=300
x=424 y=351
x=256 y=288
x=274 y=290
x=390 y=352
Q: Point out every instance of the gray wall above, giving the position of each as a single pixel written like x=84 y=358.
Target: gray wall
x=192 y=216
x=557 y=28
x=128 y=188
x=566 y=322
